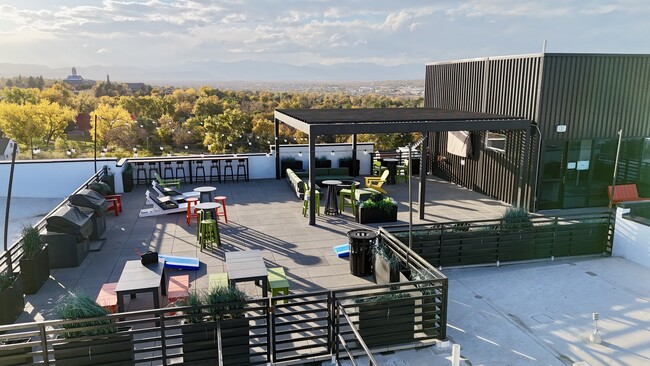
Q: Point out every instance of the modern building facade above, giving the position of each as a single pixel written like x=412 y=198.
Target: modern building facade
x=578 y=103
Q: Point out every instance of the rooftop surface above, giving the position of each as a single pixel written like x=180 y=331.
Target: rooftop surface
x=525 y=314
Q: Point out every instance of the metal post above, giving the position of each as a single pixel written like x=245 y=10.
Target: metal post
x=424 y=165
x=278 y=175
x=354 y=155
x=10 y=269
x=312 y=179
x=408 y=171
x=618 y=151
x=95 y=155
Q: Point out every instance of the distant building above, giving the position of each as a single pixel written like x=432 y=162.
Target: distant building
x=6 y=148
x=77 y=81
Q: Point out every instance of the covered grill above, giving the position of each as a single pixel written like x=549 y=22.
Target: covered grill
x=94 y=204
x=68 y=230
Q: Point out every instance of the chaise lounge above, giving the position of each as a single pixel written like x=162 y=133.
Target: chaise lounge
x=161 y=206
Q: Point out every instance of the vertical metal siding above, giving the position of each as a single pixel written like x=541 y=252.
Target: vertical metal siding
x=595 y=95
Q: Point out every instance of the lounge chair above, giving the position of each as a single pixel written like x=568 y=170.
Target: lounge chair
x=377 y=182
x=177 y=196
x=167 y=182
x=161 y=206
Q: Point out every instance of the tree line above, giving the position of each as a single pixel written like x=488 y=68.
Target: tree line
x=158 y=120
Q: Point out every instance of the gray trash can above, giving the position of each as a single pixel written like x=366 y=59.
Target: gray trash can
x=361 y=242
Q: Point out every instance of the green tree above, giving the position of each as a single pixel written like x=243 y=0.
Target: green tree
x=53 y=118
x=111 y=124
x=229 y=131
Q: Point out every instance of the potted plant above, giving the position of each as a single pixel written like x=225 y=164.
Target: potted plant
x=289 y=162
x=12 y=302
x=347 y=163
x=516 y=237
x=35 y=262
x=223 y=307
x=377 y=208
x=387 y=319
x=101 y=345
x=127 y=177
x=323 y=162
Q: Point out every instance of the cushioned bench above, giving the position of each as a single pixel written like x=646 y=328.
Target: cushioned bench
x=179 y=288
x=624 y=193
x=107 y=297
x=278 y=281
x=217 y=280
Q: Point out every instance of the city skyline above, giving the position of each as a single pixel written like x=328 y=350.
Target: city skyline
x=168 y=35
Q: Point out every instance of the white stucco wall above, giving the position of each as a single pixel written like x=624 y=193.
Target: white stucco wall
x=631 y=239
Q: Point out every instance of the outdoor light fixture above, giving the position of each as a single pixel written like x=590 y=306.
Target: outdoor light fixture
x=162 y=148
x=135 y=149
x=365 y=152
x=185 y=147
x=73 y=150
x=135 y=154
x=68 y=152
x=169 y=155
x=333 y=153
x=300 y=153
x=36 y=150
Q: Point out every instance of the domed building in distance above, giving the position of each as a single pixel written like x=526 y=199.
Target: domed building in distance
x=77 y=80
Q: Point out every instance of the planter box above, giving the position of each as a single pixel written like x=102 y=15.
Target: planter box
x=127 y=180
x=323 y=163
x=347 y=163
x=374 y=215
x=200 y=343
x=34 y=272
x=16 y=356
x=382 y=324
x=293 y=165
x=110 y=349
x=12 y=302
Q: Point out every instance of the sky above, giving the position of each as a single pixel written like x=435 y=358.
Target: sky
x=160 y=33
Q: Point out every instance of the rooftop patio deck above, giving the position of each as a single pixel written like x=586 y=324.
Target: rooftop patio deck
x=262 y=214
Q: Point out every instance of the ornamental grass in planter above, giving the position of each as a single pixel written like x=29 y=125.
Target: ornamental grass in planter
x=377 y=208
x=103 y=344
x=387 y=319
x=35 y=262
x=517 y=240
x=323 y=162
x=12 y=302
x=289 y=162
x=223 y=307
x=386 y=265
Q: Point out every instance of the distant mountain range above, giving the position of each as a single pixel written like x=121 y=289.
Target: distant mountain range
x=227 y=71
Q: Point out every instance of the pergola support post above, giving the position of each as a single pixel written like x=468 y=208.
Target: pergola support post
x=523 y=172
x=423 y=175
x=311 y=184
x=354 y=155
x=276 y=126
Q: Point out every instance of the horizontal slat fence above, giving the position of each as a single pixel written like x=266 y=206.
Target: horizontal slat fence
x=491 y=241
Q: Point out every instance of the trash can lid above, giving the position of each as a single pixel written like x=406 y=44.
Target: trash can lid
x=362 y=234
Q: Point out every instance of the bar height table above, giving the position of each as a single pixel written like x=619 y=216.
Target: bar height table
x=332 y=207
x=205 y=191
x=391 y=164
x=247 y=265
x=136 y=278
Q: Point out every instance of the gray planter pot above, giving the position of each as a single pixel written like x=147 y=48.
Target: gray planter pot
x=18 y=355
x=200 y=342
x=12 y=302
x=382 y=324
x=35 y=271
x=110 y=349
x=384 y=272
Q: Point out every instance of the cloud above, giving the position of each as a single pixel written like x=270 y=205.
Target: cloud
x=101 y=51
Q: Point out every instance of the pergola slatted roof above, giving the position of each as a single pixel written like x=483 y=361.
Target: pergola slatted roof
x=355 y=121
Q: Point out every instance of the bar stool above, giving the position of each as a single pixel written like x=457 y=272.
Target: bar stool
x=180 y=168
x=191 y=211
x=168 y=167
x=241 y=166
x=140 y=169
x=215 y=164
x=209 y=233
x=153 y=168
x=228 y=166
x=222 y=200
x=199 y=165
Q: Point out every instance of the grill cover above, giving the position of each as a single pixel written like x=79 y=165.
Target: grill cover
x=91 y=199
x=70 y=220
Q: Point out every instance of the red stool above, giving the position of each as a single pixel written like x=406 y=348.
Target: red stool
x=222 y=200
x=191 y=211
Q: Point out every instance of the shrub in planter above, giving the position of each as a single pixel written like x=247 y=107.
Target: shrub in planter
x=100 y=187
x=127 y=178
x=101 y=345
x=517 y=241
x=35 y=262
x=12 y=302
x=289 y=162
x=377 y=208
x=323 y=162
x=226 y=308
x=387 y=267
x=394 y=312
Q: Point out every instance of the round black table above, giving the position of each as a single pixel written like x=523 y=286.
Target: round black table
x=391 y=164
x=332 y=207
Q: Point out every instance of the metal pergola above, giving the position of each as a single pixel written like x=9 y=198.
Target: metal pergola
x=315 y=122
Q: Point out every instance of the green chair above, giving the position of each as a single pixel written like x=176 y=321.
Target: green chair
x=305 y=201
x=402 y=172
x=349 y=193
x=377 y=168
x=167 y=182
x=278 y=282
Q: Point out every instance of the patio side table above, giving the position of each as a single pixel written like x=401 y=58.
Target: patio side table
x=332 y=207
